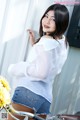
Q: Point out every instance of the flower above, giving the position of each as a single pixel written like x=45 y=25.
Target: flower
x=4 y=83
x=4 y=92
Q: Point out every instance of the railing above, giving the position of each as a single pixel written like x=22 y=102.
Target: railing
x=11 y=110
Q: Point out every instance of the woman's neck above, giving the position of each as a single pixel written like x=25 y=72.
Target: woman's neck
x=55 y=37
x=48 y=36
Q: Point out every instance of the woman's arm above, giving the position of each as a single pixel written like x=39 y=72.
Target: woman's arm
x=17 y=70
x=38 y=68
x=32 y=37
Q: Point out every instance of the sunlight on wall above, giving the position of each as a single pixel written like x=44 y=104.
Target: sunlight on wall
x=2 y=10
x=15 y=19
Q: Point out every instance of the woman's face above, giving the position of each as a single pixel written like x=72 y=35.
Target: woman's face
x=48 y=22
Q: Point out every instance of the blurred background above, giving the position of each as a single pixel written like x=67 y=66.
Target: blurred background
x=16 y=16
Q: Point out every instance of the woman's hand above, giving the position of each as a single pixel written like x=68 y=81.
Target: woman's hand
x=32 y=37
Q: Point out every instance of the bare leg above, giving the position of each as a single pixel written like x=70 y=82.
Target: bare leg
x=43 y=116
x=19 y=108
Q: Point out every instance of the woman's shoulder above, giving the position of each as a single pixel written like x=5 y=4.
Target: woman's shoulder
x=48 y=43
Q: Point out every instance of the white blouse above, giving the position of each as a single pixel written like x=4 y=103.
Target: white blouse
x=44 y=62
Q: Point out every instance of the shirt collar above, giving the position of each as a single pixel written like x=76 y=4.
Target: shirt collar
x=50 y=43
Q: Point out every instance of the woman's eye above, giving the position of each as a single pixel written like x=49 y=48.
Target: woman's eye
x=53 y=19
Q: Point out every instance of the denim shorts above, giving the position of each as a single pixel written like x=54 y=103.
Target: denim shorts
x=29 y=99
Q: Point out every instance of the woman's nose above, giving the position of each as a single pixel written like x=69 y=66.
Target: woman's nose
x=48 y=20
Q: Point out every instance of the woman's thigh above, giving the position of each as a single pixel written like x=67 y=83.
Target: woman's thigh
x=19 y=108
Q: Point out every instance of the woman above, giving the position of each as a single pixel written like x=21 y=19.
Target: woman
x=46 y=59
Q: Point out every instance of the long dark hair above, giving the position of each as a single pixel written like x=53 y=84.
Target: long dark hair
x=61 y=15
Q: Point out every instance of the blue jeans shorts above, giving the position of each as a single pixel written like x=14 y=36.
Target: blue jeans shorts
x=29 y=99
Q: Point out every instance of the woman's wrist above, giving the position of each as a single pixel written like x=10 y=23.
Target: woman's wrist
x=32 y=41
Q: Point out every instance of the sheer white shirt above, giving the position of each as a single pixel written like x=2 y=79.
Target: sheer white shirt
x=44 y=62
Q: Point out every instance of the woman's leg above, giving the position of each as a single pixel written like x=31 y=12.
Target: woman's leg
x=42 y=116
x=19 y=108
x=22 y=108
x=28 y=98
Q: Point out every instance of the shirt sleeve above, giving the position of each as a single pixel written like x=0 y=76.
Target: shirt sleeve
x=18 y=69
x=38 y=68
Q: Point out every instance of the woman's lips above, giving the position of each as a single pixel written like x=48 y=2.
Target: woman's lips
x=46 y=26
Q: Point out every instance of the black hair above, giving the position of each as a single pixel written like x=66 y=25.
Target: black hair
x=61 y=15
